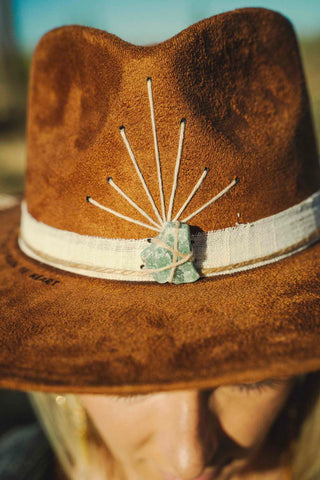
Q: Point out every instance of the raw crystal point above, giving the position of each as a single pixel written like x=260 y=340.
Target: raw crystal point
x=156 y=256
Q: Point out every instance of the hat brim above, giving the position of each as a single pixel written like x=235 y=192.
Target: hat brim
x=62 y=332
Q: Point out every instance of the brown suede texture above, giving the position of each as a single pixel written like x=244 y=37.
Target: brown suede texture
x=237 y=78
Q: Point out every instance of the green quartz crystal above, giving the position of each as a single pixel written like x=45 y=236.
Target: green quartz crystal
x=156 y=256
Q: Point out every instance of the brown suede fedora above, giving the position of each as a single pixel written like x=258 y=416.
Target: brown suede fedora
x=168 y=234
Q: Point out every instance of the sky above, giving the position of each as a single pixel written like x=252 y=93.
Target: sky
x=145 y=21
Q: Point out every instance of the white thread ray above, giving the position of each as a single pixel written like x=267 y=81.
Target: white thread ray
x=192 y=194
x=132 y=202
x=225 y=190
x=156 y=148
x=176 y=170
x=124 y=217
x=165 y=216
x=145 y=186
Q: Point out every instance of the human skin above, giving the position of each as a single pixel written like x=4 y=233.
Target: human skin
x=184 y=435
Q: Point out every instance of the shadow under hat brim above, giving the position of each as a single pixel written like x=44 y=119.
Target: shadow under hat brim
x=62 y=332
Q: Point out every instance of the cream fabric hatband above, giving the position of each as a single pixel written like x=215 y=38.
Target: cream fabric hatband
x=217 y=252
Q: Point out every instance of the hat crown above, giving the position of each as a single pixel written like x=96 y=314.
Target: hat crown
x=236 y=77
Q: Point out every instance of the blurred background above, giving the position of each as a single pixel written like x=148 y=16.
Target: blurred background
x=23 y=22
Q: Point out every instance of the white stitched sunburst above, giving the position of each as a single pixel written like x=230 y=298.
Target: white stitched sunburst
x=169 y=258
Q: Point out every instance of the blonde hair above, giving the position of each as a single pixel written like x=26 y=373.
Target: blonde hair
x=306 y=448
x=83 y=455
x=78 y=447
